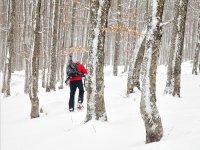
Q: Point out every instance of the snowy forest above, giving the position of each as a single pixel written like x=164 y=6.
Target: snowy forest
x=143 y=81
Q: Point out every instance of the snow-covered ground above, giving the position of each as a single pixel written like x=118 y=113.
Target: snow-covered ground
x=57 y=129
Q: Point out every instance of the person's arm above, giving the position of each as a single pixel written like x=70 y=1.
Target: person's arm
x=83 y=70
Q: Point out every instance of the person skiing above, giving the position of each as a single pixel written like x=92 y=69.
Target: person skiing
x=75 y=72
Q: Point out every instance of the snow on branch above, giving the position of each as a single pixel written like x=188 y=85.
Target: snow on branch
x=74 y=49
x=166 y=23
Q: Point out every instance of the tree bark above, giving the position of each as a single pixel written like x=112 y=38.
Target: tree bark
x=72 y=29
x=179 y=46
x=98 y=22
x=135 y=65
x=170 y=74
x=49 y=43
x=197 y=50
x=148 y=108
x=25 y=47
x=53 y=50
x=176 y=49
x=117 y=41
x=35 y=66
x=10 y=47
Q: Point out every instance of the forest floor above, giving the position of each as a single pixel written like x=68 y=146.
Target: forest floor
x=58 y=129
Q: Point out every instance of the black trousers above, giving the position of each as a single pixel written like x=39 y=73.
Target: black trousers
x=73 y=86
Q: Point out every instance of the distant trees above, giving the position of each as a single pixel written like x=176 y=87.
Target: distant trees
x=38 y=35
x=176 y=50
x=117 y=39
x=135 y=64
x=9 y=47
x=126 y=21
x=136 y=57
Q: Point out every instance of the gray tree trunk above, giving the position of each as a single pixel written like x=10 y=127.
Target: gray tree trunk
x=61 y=44
x=44 y=42
x=137 y=58
x=4 y=62
x=176 y=49
x=53 y=50
x=148 y=108
x=179 y=46
x=135 y=65
x=170 y=74
x=117 y=40
x=25 y=46
x=49 y=42
x=35 y=66
x=98 y=22
x=72 y=29
x=197 y=50
x=10 y=47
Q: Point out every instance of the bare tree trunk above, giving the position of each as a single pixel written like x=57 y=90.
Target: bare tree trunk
x=179 y=46
x=72 y=28
x=148 y=108
x=176 y=49
x=137 y=58
x=133 y=17
x=135 y=65
x=59 y=42
x=197 y=50
x=98 y=22
x=49 y=42
x=62 y=41
x=44 y=41
x=53 y=50
x=10 y=47
x=25 y=47
x=117 y=41
x=4 y=36
x=170 y=74
x=35 y=66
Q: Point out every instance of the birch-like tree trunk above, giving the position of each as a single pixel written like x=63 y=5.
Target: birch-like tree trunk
x=4 y=62
x=50 y=11
x=148 y=108
x=176 y=50
x=131 y=52
x=137 y=58
x=72 y=29
x=170 y=74
x=117 y=40
x=197 y=50
x=35 y=66
x=10 y=47
x=98 y=22
x=25 y=46
x=179 y=47
x=53 y=50
x=44 y=42
x=135 y=65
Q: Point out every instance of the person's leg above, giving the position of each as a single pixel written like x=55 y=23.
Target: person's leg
x=81 y=91
x=73 y=87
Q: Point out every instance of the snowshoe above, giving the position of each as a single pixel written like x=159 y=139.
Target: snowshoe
x=80 y=107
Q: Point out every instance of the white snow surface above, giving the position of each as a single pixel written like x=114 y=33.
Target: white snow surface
x=58 y=129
